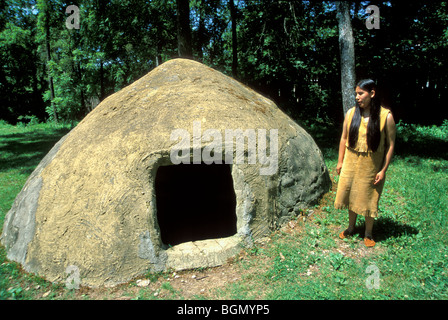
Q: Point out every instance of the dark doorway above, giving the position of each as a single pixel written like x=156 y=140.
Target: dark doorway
x=195 y=202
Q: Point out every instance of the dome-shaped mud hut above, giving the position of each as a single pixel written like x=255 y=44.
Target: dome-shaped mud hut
x=180 y=169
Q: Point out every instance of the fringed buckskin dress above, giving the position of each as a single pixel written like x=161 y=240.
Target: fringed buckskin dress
x=360 y=166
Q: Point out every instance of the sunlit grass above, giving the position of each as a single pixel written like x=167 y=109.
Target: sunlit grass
x=308 y=261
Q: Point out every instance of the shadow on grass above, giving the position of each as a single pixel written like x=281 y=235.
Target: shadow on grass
x=25 y=150
x=386 y=228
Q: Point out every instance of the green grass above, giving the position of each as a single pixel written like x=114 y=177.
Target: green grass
x=310 y=262
x=411 y=253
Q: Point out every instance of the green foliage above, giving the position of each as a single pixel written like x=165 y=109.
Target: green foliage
x=412 y=132
x=287 y=50
x=406 y=56
x=20 y=77
x=417 y=140
x=297 y=76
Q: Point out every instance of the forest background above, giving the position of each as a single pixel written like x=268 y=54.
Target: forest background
x=286 y=50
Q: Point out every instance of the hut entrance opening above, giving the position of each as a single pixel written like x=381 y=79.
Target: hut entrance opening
x=195 y=202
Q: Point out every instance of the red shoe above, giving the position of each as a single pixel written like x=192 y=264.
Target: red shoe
x=344 y=234
x=369 y=242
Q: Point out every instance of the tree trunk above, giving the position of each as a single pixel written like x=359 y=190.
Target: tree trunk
x=158 y=53
x=347 y=53
x=183 y=29
x=50 y=78
x=234 y=40
x=102 y=91
x=82 y=98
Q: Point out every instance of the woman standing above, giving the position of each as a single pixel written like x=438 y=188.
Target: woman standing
x=365 y=151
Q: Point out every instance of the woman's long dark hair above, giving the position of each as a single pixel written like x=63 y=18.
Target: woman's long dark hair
x=373 y=127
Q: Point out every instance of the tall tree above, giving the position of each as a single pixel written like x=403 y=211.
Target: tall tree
x=44 y=26
x=184 y=29
x=347 y=54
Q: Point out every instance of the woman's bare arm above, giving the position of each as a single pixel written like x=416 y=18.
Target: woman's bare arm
x=390 y=139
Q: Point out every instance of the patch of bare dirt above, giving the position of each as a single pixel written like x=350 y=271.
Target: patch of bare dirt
x=189 y=284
